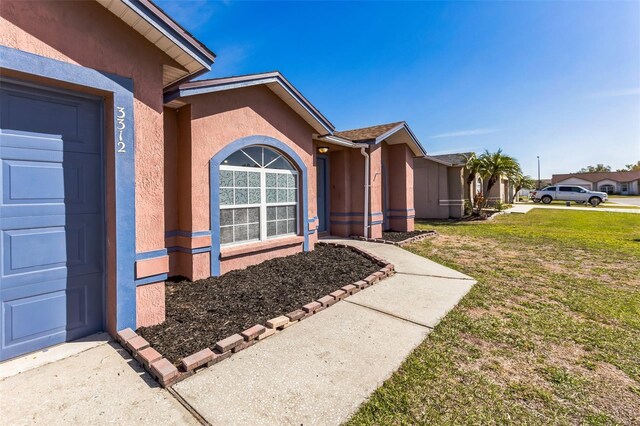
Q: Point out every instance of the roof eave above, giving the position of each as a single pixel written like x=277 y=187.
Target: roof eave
x=200 y=88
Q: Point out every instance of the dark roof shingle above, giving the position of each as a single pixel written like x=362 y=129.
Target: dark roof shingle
x=367 y=133
x=456 y=159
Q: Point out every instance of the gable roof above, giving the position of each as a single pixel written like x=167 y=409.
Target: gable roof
x=597 y=177
x=160 y=29
x=393 y=133
x=457 y=159
x=273 y=80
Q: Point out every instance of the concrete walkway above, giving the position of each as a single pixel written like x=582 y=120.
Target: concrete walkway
x=526 y=208
x=320 y=371
x=97 y=386
x=317 y=372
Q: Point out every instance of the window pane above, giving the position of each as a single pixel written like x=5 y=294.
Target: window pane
x=271 y=229
x=271 y=213
x=282 y=195
x=226 y=235
x=281 y=227
x=281 y=164
x=282 y=180
x=254 y=215
x=254 y=152
x=241 y=196
x=271 y=195
x=254 y=231
x=282 y=212
x=271 y=180
x=239 y=216
x=269 y=156
x=239 y=159
x=239 y=233
x=291 y=180
x=291 y=212
x=240 y=179
x=254 y=180
x=292 y=195
x=226 y=196
x=291 y=226
x=226 y=178
x=254 y=196
x=226 y=217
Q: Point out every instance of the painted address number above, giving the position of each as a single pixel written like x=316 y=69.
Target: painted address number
x=120 y=115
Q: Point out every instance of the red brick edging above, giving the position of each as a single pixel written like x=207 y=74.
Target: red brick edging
x=425 y=234
x=167 y=374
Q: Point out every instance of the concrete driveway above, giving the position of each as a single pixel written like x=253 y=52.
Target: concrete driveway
x=315 y=373
x=628 y=201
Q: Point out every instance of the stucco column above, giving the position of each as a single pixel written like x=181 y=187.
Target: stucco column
x=401 y=209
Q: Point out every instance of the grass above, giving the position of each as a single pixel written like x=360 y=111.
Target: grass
x=549 y=335
x=606 y=205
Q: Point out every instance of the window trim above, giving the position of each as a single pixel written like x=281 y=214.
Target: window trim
x=263 y=203
x=215 y=162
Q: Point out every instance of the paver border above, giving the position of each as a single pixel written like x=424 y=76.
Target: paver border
x=422 y=236
x=168 y=374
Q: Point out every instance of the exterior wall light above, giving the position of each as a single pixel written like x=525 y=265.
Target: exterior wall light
x=323 y=149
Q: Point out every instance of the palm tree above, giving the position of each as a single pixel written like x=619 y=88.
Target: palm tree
x=494 y=165
x=519 y=181
x=473 y=167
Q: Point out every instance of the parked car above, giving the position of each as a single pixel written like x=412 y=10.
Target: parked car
x=576 y=194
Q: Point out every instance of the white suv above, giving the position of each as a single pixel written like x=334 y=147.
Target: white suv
x=576 y=194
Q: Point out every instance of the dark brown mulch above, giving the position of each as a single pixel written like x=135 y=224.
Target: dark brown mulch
x=397 y=236
x=200 y=313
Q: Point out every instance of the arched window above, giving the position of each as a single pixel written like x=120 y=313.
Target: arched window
x=258 y=196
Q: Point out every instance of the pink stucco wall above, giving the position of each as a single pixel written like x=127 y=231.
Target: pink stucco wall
x=214 y=121
x=86 y=34
x=401 y=188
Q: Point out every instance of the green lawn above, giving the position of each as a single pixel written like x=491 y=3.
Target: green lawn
x=549 y=335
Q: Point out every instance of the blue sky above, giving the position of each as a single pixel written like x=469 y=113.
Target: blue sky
x=556 y=79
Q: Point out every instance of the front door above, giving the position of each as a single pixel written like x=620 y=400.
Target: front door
x=322 y=193
x=52 y=221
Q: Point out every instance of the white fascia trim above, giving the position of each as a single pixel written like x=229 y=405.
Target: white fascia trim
x=144 y=16
x=409 y=132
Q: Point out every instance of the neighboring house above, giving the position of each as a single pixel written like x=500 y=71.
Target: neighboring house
x=119 y=172
x=625 y=183
x=441 y=189
x=440 y=186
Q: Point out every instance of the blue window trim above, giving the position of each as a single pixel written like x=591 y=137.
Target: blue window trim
x=121 y=89
x=214 y=188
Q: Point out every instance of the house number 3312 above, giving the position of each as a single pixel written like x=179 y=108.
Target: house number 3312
x=121 y=146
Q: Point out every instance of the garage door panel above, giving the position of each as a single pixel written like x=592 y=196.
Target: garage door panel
x=31 y=140
x=32 y=182
x=52 y=228
x=69 y=117
x=31 y=250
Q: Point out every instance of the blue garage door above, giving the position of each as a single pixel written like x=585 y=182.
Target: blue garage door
x=52 y=222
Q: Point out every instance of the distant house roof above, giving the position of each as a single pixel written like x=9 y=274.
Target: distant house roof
x=458 y=159
x=394 y=133
x=273 y=80
x=597 y=177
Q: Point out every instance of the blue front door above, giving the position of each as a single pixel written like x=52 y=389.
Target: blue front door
x=322 y=193
x=52 y=220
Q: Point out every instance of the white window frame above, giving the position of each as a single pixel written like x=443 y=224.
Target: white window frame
x=263 y=203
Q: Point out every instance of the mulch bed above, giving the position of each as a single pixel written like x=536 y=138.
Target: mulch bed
x=398 y=236
x=200 y=313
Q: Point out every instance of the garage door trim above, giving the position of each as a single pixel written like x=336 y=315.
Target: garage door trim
x=120 y=89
